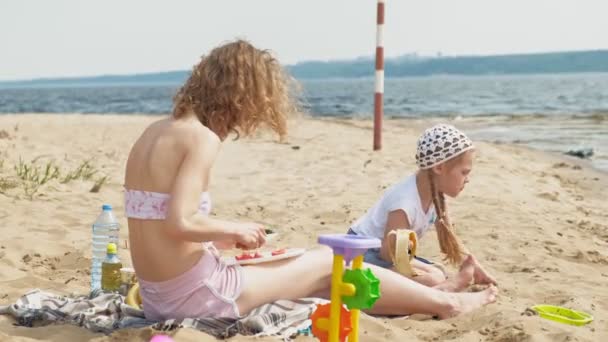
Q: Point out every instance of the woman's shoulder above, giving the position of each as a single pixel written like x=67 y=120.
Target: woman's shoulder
x=205 y=135
x=203 y=142
x=195 y=136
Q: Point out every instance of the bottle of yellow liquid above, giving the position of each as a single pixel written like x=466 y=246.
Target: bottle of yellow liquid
x=110 y=270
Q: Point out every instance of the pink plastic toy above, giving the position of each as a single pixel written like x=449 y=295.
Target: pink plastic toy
x=161 y=338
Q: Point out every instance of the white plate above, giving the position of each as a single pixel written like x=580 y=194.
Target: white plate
x=267 y=257
x=271 y=237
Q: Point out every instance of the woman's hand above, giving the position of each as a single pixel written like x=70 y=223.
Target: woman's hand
x=250 y=235
x=223 y=244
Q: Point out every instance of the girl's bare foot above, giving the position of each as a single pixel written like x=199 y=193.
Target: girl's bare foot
x=481 y=276
x=460 y=280
x=466 y=302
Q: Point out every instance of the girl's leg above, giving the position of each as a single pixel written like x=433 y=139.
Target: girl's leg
x=310 y=274
x=461 y=280
x=428 y=275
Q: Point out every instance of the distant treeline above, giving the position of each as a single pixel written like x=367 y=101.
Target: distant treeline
x=411 y=65
x=558 y=62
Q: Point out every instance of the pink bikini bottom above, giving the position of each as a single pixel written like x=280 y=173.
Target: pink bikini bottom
x=209 y=289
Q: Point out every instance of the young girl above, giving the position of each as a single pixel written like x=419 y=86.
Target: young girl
x=445 y=157
x=235 y=89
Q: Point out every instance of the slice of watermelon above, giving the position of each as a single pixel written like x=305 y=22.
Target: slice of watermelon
x=244 y=256
x=278 y=251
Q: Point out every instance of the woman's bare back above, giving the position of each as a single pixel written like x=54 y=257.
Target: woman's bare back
x=153 y=165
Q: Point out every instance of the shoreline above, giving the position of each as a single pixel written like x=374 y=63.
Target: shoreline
x=467 y=123
x=511 y=129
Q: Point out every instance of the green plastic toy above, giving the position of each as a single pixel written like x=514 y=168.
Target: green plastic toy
x=367 y=285
x=563 y=315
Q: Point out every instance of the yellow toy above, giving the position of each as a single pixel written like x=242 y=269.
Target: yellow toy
x=402 y=256
x=356 y=288
x=133 y=296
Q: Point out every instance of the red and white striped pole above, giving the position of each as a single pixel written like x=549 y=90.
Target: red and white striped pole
x=379 y=88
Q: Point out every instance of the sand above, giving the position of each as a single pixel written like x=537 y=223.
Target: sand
x=537 y=221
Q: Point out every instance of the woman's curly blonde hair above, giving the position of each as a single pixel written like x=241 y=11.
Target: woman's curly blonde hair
x=235 y=89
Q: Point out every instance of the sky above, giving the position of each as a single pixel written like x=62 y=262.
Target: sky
x=67 y=38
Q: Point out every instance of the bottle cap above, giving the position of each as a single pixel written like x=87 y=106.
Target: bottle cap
x=111 y=248
x=106 y=207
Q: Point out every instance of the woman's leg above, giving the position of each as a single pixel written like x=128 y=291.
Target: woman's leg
x=310 y=274
x=401 y=296
x=286 y=279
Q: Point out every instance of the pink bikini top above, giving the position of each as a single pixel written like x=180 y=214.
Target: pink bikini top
x=147 y=205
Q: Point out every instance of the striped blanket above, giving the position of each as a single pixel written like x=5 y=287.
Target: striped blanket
x=106 y=313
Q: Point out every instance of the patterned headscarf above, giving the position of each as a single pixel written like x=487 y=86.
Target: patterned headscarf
x=440 y=143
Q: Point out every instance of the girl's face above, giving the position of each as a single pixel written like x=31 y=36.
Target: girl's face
x=452 y=175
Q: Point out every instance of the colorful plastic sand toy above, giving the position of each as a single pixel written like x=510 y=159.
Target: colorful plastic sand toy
x=161 y=338
x=354 y=288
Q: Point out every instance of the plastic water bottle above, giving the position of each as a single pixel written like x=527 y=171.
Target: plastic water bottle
x=110 y=270
x=105 y=230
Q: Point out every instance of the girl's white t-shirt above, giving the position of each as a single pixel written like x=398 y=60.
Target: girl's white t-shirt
x=401 y=196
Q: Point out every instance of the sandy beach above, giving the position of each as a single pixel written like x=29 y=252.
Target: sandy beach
x=538 y=221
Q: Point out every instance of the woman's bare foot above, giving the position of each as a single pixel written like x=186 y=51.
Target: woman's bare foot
x=466 y=302
x=460 y=280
